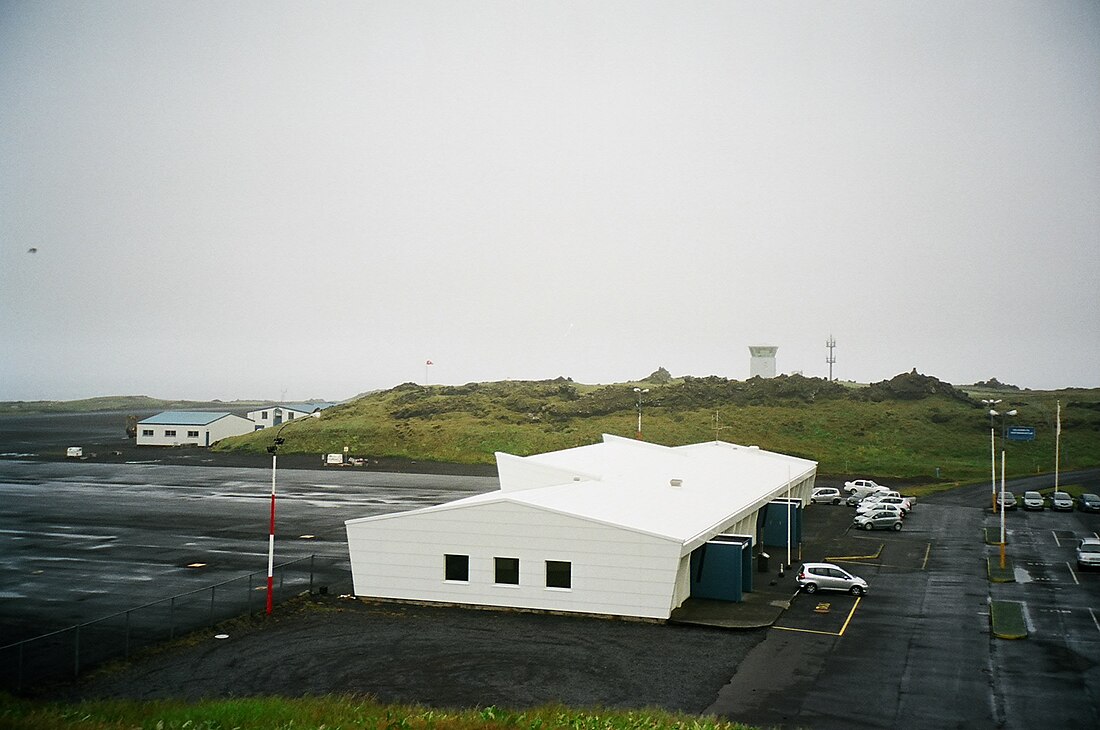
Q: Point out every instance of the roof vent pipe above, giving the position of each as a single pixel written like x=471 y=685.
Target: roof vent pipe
x=676 y=482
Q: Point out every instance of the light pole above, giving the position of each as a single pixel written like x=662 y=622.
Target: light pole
x=638 y=392
x=992 y=455
x=1003 y=418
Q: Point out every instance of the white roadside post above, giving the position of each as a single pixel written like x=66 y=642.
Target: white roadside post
x=789 y=505
x=274 y=448
x=638 y=392
x=1002 y=506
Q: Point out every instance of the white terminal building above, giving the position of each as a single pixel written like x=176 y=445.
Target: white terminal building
x=621 y=527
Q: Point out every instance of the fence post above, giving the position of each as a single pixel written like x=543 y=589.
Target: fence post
x=311 y=557
x=76 y=651
x=19 y=676
x=212 y=604
x=126 y=645
x=250 y=595
x=172 y=618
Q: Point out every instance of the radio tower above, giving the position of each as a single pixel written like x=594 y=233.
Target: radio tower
x=831 y=344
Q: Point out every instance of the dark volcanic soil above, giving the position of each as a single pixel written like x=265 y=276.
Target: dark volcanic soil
x=440 y=657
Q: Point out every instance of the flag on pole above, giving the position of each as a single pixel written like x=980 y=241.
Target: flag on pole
x=1058 y=427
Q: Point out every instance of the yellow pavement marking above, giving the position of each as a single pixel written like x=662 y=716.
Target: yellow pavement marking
x=826 y=633
x=849 y=619
x=857 y=557
x=927 y=552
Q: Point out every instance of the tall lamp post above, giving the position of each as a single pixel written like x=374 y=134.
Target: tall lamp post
x=1003 y=418
x=638 y=392
x=992 y=455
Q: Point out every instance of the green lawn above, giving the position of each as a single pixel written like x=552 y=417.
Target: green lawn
x=326 y=712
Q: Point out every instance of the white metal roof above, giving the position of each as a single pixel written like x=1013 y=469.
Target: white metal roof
x=629 y=484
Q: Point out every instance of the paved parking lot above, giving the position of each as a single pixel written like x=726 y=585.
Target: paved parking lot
x=1060 y=606
x=916 y=651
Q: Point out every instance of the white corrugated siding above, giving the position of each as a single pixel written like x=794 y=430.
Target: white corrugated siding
x=223 y=427
x=614 y=571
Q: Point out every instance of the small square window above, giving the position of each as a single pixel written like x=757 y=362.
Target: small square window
x=146 y=432
x=192 y=434
x=169 y=433
x=456 y=567
x=507 y=571
x=559 y=574
x=263 y=415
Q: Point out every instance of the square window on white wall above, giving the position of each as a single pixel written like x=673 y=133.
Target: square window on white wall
x=559 y=574
x=506 y=571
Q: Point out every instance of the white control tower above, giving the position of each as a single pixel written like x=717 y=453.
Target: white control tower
x=763 y=361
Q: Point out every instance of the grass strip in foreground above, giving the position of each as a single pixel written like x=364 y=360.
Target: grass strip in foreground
x=1006 y=620
x=329 y=711
x=997 y=574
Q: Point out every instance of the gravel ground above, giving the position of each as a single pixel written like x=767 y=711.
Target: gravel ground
x=439 y=657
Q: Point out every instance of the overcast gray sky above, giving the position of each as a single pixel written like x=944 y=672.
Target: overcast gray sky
x=294 y=200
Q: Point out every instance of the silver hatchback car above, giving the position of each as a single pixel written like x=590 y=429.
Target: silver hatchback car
x=1088 y=553
x=828 y=577
x=1061 y=501
x=1034 y=500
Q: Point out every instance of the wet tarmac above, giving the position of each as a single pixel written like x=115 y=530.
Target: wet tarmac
x=85 y=540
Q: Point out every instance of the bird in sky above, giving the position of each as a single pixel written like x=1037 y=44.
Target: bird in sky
x=32 y=250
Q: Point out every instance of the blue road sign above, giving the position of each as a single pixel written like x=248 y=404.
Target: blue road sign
x=1020 y=433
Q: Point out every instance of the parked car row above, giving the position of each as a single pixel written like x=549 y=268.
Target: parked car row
x=1059 y=501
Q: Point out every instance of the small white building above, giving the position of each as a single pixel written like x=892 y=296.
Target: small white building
x=762 y=361
x=190 y=428
x=610 y=528
x=278 y=414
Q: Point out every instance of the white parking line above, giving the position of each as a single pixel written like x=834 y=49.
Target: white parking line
x=1056 y=540
x=1093 y=614
x=1074 y=576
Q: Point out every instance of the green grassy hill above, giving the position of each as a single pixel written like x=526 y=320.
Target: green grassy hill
x=906 y=427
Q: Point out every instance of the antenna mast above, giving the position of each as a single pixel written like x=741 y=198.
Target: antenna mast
x=831 y=358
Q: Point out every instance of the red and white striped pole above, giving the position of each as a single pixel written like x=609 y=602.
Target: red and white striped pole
x=271 y=541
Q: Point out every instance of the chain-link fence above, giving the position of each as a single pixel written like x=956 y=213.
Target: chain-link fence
x=68 y=652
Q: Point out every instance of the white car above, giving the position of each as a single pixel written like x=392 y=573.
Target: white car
x=825 y=494
x=866 y=509
x=901 y=502
x=865 y=484
x=854 y=495
x=813 y=577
